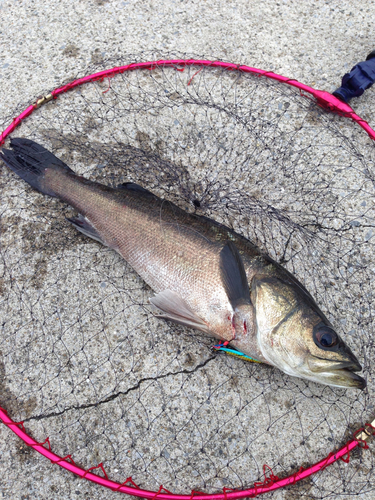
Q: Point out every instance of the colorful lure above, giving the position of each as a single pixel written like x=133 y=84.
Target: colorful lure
x=233 y=352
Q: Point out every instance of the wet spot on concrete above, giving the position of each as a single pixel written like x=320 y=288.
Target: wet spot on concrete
x=7 y=398
x=96 y=56
x=23 y=452
x=144 y=141
x=40 y=272
x=71 y=50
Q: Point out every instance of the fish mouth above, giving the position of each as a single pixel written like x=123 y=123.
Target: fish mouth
x=318 y=365
x=337 y=373
x=347 y=379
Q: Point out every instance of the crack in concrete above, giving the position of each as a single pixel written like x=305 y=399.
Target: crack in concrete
x=120 y=393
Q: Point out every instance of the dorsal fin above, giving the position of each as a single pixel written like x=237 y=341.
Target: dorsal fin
x=234 y=276
x=134 y=187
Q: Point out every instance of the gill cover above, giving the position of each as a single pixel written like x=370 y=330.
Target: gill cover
x=297 y=338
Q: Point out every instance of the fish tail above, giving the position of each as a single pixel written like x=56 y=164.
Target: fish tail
x=30 y=160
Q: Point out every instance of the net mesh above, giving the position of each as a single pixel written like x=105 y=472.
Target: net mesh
x=83 y=359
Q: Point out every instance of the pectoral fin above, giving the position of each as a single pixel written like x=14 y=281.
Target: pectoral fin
x=174 y=308
x=233 y=276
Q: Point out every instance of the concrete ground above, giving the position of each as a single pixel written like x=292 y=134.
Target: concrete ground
x=44 y=44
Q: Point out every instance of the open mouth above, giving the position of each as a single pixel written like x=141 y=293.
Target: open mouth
x=347 y=378
x=338 y=373
x=318 y=365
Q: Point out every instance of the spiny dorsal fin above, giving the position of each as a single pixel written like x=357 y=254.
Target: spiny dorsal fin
x=234 y=276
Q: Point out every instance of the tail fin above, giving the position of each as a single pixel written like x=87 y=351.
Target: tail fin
x=29 y=160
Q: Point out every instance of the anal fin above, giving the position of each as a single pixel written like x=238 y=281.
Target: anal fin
x=84 y=226
x=174 y=308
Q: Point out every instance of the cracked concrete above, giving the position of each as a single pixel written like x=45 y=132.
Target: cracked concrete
x=115 y=396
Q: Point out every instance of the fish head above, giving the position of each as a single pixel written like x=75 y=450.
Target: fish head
x=295 y=336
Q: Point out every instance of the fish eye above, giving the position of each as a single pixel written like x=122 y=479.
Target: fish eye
x=325 y=337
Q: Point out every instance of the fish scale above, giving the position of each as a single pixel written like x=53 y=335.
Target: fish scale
x=167 y=247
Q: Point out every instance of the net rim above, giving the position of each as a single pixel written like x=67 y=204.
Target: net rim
x=268 y=485
x=323 y=99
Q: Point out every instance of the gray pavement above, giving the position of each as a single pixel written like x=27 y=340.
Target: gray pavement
x=44 y=44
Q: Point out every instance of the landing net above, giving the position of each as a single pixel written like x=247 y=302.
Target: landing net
x=83 y=359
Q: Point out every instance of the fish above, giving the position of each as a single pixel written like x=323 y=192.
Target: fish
x=204 y=275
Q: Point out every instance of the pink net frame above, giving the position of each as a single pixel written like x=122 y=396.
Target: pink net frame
x=271 y=482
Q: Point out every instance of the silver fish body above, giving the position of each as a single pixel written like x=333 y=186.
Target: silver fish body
x=205 y=275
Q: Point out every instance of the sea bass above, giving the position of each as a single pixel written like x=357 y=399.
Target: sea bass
x=205 y=275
